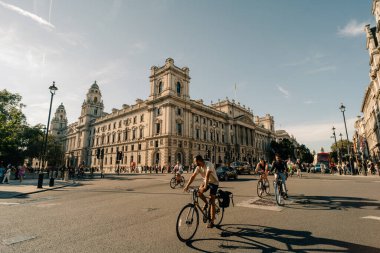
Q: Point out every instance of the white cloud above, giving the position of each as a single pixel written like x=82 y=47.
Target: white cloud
x=27 y=14
x=309 y=102
x=285 y=92
x=352 y=29
x=322 y=69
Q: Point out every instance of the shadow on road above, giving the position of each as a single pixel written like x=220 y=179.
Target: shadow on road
x=332 y=203
x=239 y=237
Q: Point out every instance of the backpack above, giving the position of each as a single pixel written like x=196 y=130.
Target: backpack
x=224 y=198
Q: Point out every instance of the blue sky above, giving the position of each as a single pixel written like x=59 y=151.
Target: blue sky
x=294 y=59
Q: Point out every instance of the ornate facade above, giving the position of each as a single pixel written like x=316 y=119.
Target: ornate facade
x=167 y=127
x=367 y=134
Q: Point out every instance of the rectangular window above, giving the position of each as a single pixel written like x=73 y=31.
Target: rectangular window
x=158 y=126
x=179 y=128
x=132 y=147
x=197 y=134
x=204 y=134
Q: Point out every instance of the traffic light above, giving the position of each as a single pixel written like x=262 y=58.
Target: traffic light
x=98 y=153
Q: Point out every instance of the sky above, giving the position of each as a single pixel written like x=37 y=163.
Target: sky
x=297 y=60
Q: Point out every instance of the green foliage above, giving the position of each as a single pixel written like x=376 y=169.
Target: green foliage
x=286 y=149
x=17 y=139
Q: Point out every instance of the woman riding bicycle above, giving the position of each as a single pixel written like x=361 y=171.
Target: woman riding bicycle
x=178 y=170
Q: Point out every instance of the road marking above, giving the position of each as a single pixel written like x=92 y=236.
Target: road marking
x=372 y=217
x=8 y=203
x=250 y=203
x=17 y=239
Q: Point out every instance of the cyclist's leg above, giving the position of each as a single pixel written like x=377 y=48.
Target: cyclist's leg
x=202 y=189
x=213 y=190
x=283 y=177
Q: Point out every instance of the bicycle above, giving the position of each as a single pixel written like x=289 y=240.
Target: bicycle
x=262 y=186
x=174 y=182
x=279 y=193
x=188 y=218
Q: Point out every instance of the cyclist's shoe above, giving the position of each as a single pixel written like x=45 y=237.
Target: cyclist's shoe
x=210 y=225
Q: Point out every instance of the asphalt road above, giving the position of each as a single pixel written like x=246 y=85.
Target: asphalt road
x=137 y=213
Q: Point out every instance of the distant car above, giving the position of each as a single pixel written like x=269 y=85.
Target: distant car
x=226 y=173
x=316 y=169
x=242 y=167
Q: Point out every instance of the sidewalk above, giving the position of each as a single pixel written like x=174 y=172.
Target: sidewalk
x=29 y=186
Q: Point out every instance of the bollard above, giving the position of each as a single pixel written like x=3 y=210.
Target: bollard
x=40 y=180
x=51 y=182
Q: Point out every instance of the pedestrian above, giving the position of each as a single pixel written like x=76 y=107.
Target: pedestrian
x=7 y=175
x=21 y=172
x=298 y=167
x=2 y=172
x=101 y=172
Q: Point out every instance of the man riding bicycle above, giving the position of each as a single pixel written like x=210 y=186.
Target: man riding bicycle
x=262 y=168
x=280 y=169
x=210 y=181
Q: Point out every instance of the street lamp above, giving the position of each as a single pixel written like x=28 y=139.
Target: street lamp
x=343 y=109
x=336 y=146
x=214 y=127
x=52 y=89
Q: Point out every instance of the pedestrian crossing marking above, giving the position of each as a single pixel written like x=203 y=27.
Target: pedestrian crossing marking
x=251 y=203
x=17 y=239
x=371 y=217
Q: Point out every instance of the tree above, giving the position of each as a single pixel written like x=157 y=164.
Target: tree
x=12 y=127
x=54 y=152
x=286 y=149
x=17 y=139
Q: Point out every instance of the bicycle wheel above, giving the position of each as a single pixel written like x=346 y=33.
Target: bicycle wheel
x=182 y=183
x=260 y=189
x=173 y=182
x=266 y=186
x=219 y=214
x=278 y=195
x=187 y=223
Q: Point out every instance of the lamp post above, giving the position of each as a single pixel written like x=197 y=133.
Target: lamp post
x=52 y=89
x=334 y=135
x=214 y=127
x=343 y=109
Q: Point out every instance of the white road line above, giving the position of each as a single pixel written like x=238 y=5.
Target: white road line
x=17 y=239
x=372 y=217
x=8 y=203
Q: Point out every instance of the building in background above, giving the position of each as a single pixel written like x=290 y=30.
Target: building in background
x=165 y=128
x=367 y=127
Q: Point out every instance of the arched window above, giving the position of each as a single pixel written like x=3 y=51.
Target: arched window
x=160 y=88
x=95 y=99
x=178 y=88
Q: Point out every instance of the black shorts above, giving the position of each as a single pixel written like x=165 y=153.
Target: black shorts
x=213 y=188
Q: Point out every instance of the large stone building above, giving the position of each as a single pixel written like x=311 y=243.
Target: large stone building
x=367 y=134
x=167 y=127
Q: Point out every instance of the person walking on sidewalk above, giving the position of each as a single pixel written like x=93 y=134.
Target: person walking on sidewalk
x=2 y=171
x=7 y=175
x=21 y=172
